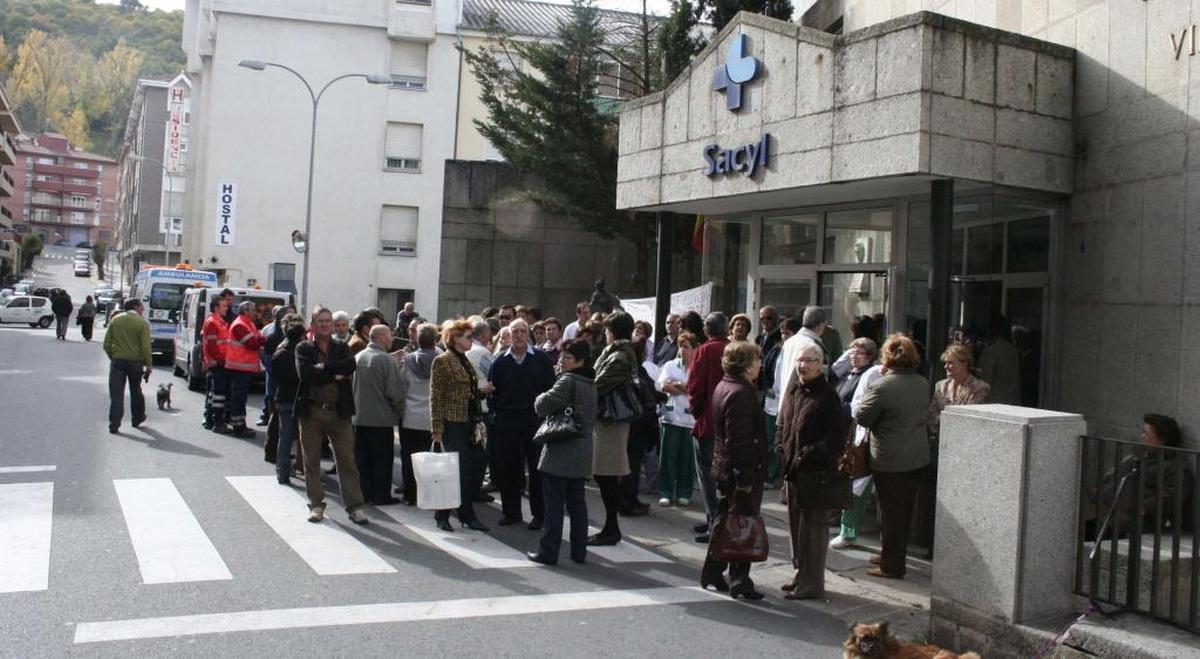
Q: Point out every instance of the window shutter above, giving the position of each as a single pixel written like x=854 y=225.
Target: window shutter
x=398 y=231
x=408 y=58
x=403 y=148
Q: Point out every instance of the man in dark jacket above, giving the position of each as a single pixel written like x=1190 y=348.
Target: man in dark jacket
x=62 y=307
x=287 y=382
x=519 y=376
x=703 y=375
x=324 y=406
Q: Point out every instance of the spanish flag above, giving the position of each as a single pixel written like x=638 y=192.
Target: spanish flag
x=698 y=233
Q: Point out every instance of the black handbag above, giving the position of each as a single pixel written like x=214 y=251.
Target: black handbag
x=558 y=426
x=822 y=489
x=622 y=404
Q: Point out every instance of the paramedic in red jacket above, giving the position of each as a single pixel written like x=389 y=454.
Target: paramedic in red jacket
x=214 y=336
x=241 y=363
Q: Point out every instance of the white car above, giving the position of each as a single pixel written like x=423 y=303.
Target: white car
x=30 y=309
x=83 y=270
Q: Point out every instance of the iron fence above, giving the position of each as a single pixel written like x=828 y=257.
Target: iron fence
x=1135 y=547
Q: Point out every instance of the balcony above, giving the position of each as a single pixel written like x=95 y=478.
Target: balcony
x=63 y=186
x=411 y=21
x=7 y=155
x=60 y=170
x=6 y=185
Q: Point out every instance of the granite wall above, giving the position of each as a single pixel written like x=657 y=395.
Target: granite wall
x=500 y=249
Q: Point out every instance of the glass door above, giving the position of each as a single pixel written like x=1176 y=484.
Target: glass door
x=849 y=295
x=788 y=296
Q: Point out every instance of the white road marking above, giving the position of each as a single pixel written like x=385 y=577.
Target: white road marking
x=330 y=616
x=26 y=469
x=14 y=371
x=478 y=550
x=622 y=552
x=90 y=379
x=25 y=536
x=325 y=547
x=169 y=543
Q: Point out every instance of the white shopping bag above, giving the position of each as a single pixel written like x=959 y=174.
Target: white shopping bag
x=437 y=479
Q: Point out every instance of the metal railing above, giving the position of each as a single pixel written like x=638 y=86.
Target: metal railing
x=1135 y=546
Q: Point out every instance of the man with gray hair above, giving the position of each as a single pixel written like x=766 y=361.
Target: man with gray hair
x=378 y=405
x=703 y=375
x=812 y=325
x=241 y=363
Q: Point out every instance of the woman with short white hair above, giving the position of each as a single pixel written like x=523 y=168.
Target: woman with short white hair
x=341 y=326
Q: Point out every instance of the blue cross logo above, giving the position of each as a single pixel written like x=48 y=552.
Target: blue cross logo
x=739 y=68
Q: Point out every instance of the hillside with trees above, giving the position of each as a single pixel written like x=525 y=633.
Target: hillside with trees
x=71 y=65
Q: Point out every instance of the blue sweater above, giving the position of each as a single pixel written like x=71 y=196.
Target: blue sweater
x=518 y=386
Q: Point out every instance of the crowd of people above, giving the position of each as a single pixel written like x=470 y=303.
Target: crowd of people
x=726 y=410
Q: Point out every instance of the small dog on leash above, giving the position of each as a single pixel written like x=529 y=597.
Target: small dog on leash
x=164 y=396
x=875 y=642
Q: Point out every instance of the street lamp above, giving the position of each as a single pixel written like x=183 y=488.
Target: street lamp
x=170 y=195
x=259 y=65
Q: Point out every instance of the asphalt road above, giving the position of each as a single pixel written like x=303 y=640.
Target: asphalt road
x=170 y=540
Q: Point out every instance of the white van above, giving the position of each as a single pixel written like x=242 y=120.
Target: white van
x=188 y=362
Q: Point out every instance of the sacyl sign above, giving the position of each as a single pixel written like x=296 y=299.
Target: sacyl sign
x=746 y=158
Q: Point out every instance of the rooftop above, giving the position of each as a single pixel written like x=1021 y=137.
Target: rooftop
x=25 y=144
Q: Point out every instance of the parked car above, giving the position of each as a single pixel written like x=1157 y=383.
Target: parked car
x=107 y=300
x=5 y=293
x=62 y=242
x=84 y=244
x=21 y=289
x=30 y=309
x=83 y=269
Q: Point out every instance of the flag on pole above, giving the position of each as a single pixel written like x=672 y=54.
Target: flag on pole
x=698 y=233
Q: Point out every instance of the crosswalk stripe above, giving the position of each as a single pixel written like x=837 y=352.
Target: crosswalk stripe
x=326 y=547
x=388 y=612
x=169 y=543
x=622 y=552
x=25 y=536
x=478 y=550
x=27 y=469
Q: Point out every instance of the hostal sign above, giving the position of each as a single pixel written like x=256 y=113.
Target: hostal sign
x=739 y=69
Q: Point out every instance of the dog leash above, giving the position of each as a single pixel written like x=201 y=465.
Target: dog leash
x=1044 y=648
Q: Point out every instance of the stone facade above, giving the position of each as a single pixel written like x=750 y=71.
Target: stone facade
x=499 y=249
x=918 y=95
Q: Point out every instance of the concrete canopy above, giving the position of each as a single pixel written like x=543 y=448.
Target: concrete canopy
x=902 y=102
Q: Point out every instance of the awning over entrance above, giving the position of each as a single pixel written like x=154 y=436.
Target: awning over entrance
x=772 y=115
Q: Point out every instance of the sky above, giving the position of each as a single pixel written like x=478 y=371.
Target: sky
x=655 y=6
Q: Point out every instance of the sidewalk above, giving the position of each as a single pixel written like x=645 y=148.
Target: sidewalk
x=850 y=594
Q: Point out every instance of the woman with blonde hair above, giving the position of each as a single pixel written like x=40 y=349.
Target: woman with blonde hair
x=894 y=409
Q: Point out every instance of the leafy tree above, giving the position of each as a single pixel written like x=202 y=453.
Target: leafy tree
x=99 y=252
x=679 y=39
x=132 y=5
x=42 y=79
x=31 y=246
x=75 y=127
x=6 y=56
x=723 y=11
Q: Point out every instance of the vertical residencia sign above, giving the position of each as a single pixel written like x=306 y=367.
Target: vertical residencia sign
x=226 y=213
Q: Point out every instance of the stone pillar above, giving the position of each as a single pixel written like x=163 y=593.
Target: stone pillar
x=1008 y=479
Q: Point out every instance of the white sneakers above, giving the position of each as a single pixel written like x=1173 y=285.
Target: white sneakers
x=683 y=502
x=359 y=517
x=664 y=502
x=316 y=514
x=840 y=543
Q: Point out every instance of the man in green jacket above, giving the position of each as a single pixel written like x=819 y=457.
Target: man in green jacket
x=127 y=344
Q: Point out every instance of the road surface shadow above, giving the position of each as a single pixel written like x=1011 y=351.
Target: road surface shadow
x=161 y=442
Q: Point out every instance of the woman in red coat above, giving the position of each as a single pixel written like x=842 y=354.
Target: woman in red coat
x=739 y=458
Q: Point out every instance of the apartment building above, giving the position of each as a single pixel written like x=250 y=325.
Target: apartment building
x=9 y=246
x=65 y=194
x=152 y=167
x=379 y=150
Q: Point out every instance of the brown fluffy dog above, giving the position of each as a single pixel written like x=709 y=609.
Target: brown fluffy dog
x=875 y=642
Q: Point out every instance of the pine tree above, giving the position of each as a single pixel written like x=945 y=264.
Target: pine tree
x=723 y=11
x=545 y=117
x=679 y=39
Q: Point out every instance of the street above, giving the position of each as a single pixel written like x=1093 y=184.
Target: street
x=171 y=540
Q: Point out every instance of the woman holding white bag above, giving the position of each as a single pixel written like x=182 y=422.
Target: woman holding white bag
x=454 y=410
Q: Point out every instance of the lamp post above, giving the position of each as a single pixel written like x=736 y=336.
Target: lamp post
x=258 y=65
x=170 y=195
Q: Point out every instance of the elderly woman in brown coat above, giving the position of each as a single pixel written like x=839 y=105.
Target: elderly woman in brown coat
x=739 y=458
x=811 y=437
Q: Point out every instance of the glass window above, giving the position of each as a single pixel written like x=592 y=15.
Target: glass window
x=726 y=263
x=985 y=249
x=789 y=240
x=1029 y=245
x=849 y=295
x=859 y=236
x=787 y=296
x=167 y=296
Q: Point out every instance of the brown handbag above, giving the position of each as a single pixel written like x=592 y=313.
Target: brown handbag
x=855 y=461
x=739 y=538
